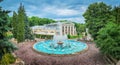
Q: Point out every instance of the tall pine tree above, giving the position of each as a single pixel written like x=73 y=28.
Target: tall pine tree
x=5 y=45
x=14 y=24
x=20 y=24
x=28 y=32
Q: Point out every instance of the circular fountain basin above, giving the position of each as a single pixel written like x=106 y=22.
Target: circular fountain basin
x=72 y=48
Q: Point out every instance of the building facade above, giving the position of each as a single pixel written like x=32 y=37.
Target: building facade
x=68 y=28
x=59 y=28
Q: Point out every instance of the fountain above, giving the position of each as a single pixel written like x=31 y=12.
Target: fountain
x=60 y=45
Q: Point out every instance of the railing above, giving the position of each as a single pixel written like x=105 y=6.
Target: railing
x=110 y=60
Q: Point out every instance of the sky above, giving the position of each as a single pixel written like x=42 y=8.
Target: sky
x=71 y=10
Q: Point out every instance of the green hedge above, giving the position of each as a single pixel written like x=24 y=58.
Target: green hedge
x=74 y=37
x=44 y=36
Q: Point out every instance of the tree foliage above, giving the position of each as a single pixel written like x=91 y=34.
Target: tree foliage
x=80 y=28
x=34 y=20
x=96 y=17
x=104 y=25
x=28 y=31
x=14 y=24
x=116 y=13
x=4 y=28
x=108 y=40
x=20 y=24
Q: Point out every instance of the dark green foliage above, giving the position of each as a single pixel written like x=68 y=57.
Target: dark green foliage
x=7 y=46
x=14 y=24
x=68 y=36
x=104 y=25
x=108 y=40
x=4 y=28
x=97 y=15
x=4 y=22
x=7 y=59
x=116 y=13
x=21 y=24
x=73 y=37
x=80 y=28
x=39 y=21
x=28 y=31
x=44 y=36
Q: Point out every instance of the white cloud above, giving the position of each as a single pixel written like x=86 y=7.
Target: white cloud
x=32 y=8
x=61 y=11
x=30 y=14
x=66 y=12
x=57 y=13
x=76 y=19
x=83 y=8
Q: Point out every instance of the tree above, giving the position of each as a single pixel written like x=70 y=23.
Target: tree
x=5 y=45
x=14 y=24
x=108 y=40
x=103 y=24
x=116 y=13
x=21 y=24
x=96 y=17
x=28 y=31
x=80 y=28
x=34 y=20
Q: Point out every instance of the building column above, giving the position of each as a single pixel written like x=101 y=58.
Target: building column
x=64 y=30
x=73 y=30
x=70 y=30
x=67 y=30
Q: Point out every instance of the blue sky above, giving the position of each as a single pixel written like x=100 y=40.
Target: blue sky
x=55 y=9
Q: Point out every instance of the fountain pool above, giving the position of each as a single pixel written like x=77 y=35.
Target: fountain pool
x=53 y=47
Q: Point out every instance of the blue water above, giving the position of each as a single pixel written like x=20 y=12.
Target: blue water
x=75 y=46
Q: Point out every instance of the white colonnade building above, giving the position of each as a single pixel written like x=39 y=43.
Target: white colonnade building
x=60 y=28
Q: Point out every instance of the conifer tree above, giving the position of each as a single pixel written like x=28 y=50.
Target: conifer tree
x=21 y=25
x=28 y=31
x=14 y=24
x=21 y=29
x=5 y=45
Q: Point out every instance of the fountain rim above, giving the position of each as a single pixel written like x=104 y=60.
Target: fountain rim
x=60 y=55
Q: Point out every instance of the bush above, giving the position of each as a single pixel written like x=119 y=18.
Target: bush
x=74 y=37
x=7 y=59
x=44 y=36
